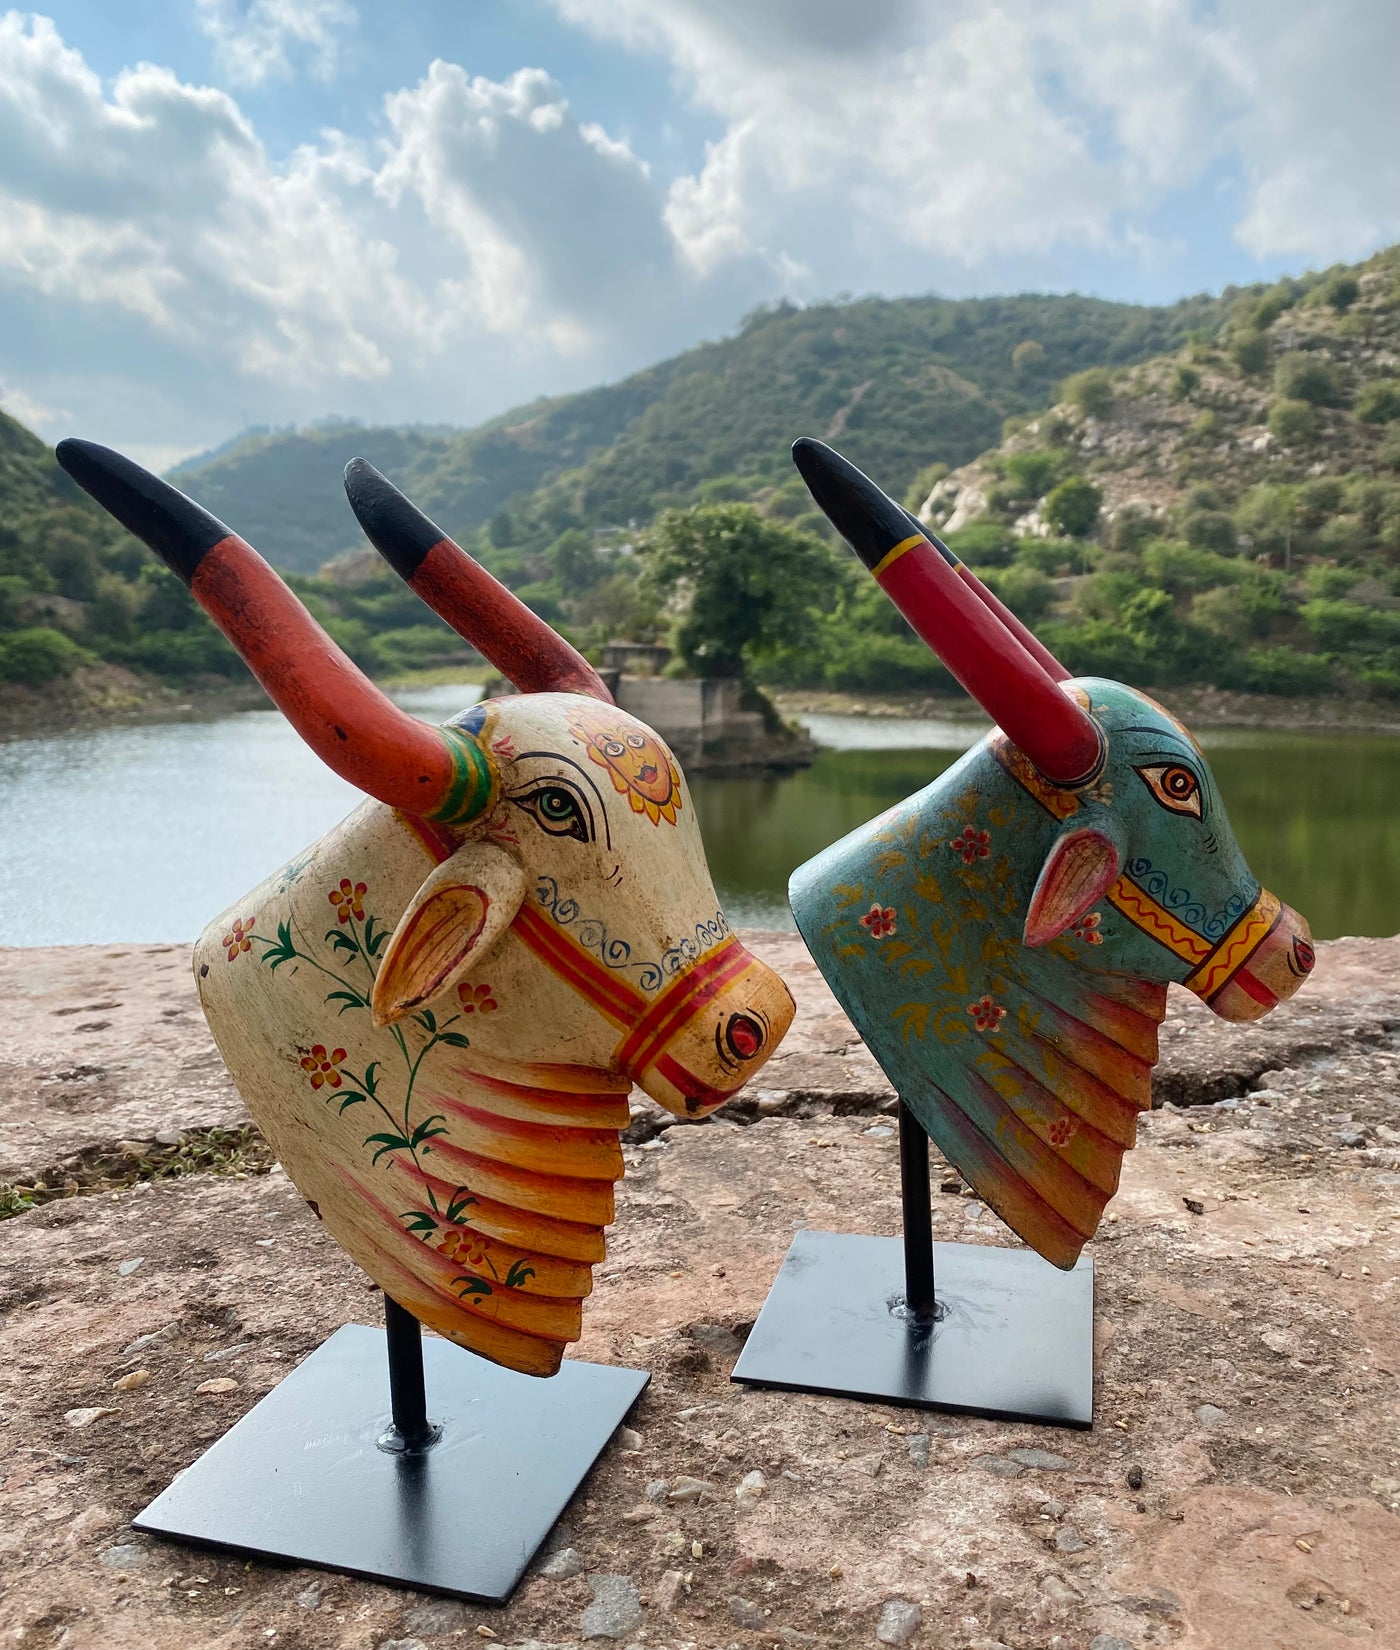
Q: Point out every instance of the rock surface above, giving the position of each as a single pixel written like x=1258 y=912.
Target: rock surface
x=1239 y=1490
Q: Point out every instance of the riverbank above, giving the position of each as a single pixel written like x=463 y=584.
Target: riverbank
x=1239 y=1491
x=1198 y=707
x=109 y=696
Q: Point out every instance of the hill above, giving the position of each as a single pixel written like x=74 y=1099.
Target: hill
x=89 y=618
x=1226 y=513
x=901 y=382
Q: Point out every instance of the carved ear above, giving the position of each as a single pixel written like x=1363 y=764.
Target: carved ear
x=451 y=922
x=1082 y=866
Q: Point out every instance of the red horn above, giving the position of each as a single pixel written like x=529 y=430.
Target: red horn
x=962 y=628
x=527 y=651
x=440 y=773
x=1027 y=638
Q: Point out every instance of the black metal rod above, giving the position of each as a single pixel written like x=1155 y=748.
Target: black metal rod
x=918 y=1215
x=408 y=1398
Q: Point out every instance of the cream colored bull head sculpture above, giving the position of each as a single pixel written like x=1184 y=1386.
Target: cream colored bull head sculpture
x=437 y=1011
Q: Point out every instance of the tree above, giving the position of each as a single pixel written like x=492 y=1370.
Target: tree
x=1379 y=401
x=1091 y=392
x=1291 y=422
x=1028 y=356
x=1303 y=377
x=744 y=585
x=1073 y=507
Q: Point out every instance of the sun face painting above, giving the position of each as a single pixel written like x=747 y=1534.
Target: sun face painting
x=639 y=766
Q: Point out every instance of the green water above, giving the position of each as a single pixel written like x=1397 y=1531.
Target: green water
x=1318 y=817
x=145 y=833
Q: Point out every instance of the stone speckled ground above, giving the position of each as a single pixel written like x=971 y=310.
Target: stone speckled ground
x=1248 y=1357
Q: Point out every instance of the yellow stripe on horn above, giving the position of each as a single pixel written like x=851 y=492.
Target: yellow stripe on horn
x=891 y=556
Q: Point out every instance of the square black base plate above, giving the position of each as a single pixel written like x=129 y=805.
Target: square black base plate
x=300 y=1477
x=1014 y=1337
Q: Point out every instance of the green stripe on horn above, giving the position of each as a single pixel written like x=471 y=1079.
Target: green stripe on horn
x=475 y=786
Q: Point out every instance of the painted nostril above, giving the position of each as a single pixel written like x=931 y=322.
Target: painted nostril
x=744 y=1036
x=1304 y=955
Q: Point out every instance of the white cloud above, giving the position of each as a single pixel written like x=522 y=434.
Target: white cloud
x=30 y=411
x=262 y=40
x=487 y=227
x=979 y=128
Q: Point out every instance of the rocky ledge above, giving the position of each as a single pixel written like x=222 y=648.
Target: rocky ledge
x=1240 y=1487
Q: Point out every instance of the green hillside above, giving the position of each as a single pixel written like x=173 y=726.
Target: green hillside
x=1208 y=492
x=1228 y=513
x=78 y=594
x=902 y=383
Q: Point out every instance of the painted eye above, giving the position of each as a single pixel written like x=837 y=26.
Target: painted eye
x=636 y=741
x=556 y=810
x=1175 y=787
x=613 y=748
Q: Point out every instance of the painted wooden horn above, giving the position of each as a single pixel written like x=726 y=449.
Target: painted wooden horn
x=968 y=635
x=441 y=774
x=1027 y=638
x=527 y=652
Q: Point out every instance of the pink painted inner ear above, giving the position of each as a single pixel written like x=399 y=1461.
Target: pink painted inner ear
x=1082 y=866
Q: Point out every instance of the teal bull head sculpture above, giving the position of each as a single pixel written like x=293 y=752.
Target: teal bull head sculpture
x=1003 y=940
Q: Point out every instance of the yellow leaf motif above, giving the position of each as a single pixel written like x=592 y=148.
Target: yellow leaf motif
x=847 y=895
x=912 y=1018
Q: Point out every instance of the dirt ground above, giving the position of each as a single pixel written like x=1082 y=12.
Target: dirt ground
x=1240 y=1487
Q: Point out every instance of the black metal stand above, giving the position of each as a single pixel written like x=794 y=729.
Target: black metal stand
x=1004 y=1333
x=458 y=1504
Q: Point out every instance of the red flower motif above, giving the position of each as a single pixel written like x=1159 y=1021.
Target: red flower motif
x=236 y=940
x=1087 y=929
x=347 y=898
x=879 y=919
x=1060 y=1131
x=474 y=997
x=466 y=1248
x=320 y=1066
x=987 y=1014
x=972 y=844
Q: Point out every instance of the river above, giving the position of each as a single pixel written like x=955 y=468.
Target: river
x=143 y=833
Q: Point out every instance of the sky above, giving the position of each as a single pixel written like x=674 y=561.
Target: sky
x=221 y=213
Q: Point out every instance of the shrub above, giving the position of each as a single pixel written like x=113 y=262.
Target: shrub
x=1303 y=377
x=1388 y=454
x=1052 y=556
x=1379 y=401
x=1330 y=583
x=1180 y=568
x=1072 y=508
x=1032 y=473
x=1280 y=297
x=984 y=544
x=1209 y=530
x=1284 y=670
x=1130 y=528
x=1291 y=422
x=1317 y=499
x=1249 y=350
x=39 y=655
x=1185 y=382
x=1347 y=627
x=1341 y=292
x=1028 y=356
x=1091 y=392
x=1026 y=591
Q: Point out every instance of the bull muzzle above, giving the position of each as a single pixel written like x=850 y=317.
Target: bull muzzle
x=707 y=1034
x=1264 y=958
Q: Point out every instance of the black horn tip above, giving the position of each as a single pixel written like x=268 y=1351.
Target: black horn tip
x=868 y=519
x=180 y=531
x=396 y=527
